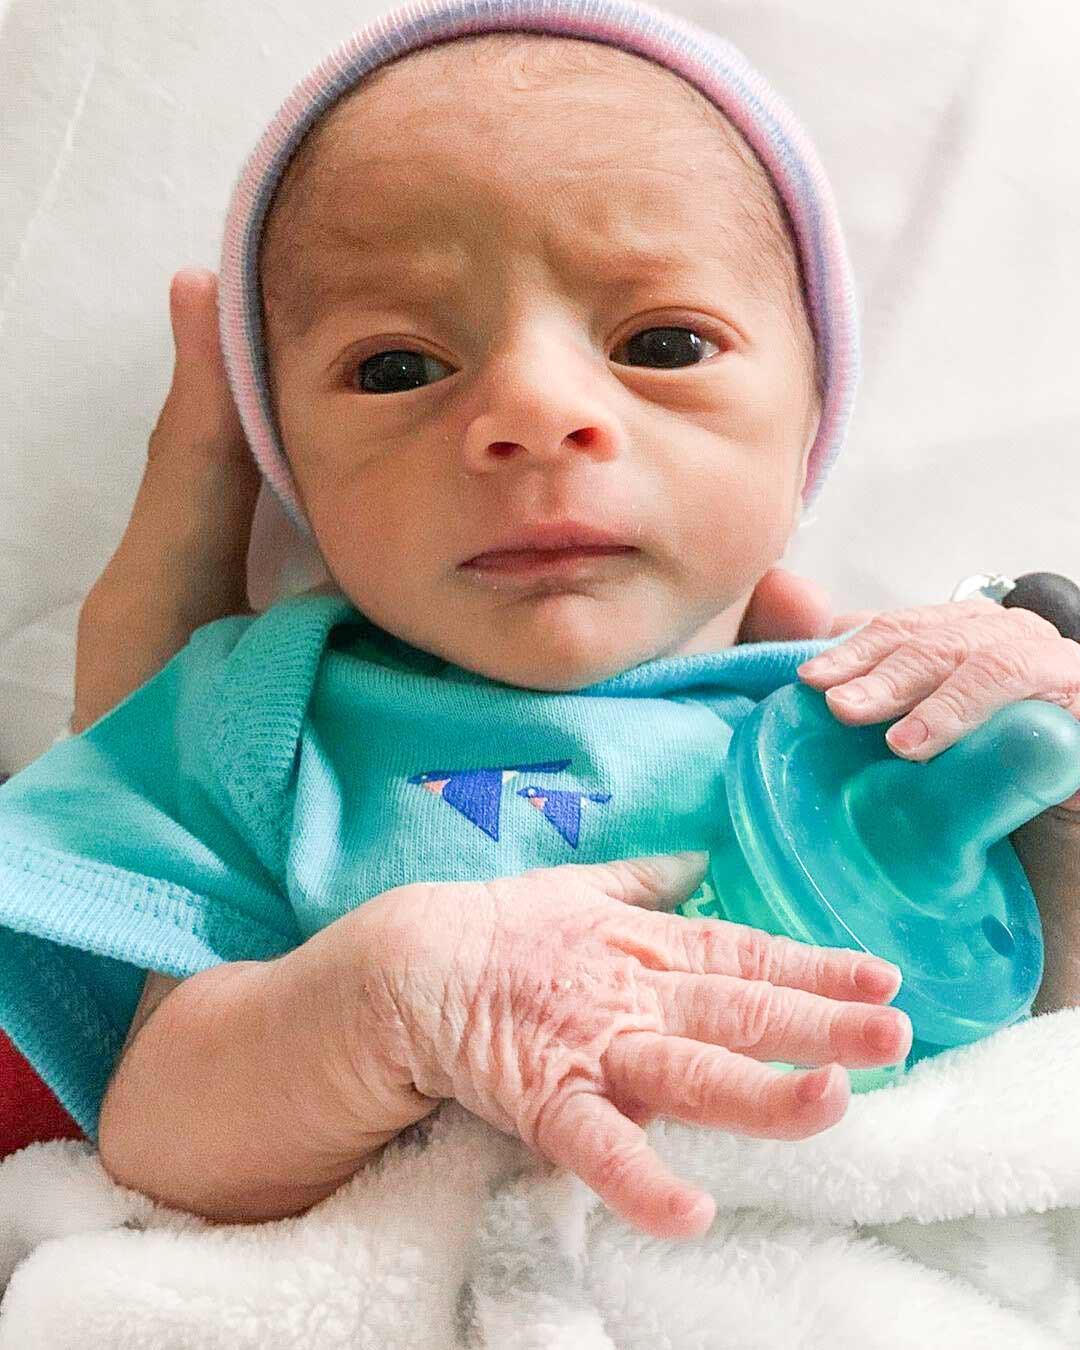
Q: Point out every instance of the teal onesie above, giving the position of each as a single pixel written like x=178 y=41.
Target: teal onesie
x=285 y=767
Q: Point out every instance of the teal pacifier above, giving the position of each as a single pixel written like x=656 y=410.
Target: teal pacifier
x=836 y=841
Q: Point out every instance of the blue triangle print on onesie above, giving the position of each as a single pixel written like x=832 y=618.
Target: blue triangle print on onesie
x=477 y=793
x=562 y=809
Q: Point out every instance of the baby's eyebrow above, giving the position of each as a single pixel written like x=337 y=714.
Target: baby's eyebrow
x=426 y=276
x=375 y=254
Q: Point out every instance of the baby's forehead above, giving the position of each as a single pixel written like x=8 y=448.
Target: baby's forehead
x=661 y=166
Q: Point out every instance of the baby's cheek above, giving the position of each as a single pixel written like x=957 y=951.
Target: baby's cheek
x=732 y=530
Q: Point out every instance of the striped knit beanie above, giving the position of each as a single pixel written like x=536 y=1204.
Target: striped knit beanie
x=716 y=68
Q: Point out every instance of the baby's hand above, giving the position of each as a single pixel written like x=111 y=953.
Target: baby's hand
x=560 y=1008
x=951 y=666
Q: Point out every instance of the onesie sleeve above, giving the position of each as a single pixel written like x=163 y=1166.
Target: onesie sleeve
x=121 y=852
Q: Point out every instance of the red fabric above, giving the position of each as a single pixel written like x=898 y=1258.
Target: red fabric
x=29 y=1111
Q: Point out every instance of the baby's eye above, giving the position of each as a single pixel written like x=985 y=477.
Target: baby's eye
x=666 y=346
x=398 y=369
x=390 y=372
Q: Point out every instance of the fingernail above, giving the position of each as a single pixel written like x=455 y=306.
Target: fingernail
x=690 y=1206
x=908 y=734
x=880 y=1032
x=815 y=1085
x=850 y=695
x=878 y=979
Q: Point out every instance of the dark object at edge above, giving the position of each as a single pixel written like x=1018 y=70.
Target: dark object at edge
x=1053 y=597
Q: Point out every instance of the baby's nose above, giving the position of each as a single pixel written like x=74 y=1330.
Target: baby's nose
x=587 y=438
x=538 y=435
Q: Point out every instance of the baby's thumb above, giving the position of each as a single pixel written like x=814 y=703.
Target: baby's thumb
x=660 y=881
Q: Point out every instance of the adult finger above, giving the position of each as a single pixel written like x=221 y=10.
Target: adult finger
x=182 y=560
x=184 y=551
x=786 y=607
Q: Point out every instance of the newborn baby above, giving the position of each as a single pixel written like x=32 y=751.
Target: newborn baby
x=537 y=367
x=479 y=348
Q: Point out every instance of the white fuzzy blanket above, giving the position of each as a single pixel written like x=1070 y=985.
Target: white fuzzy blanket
x=943 y=1211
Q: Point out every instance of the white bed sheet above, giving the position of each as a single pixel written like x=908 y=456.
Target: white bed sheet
x=948 y=131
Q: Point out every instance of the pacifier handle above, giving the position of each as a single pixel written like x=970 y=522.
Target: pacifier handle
x=1048 y=594
x=945 y=814
x=1053 y=597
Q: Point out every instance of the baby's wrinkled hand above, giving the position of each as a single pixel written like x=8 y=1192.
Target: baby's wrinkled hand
x=950 y=667
x=561 y=1007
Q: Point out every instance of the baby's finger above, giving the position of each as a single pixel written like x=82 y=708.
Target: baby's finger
x=717 y=947
x=771 y=1022
x=910 y=673
x=711 y=1085
x=843 y=622
x=988 y=681
x=586 y=1134
x=885 y=632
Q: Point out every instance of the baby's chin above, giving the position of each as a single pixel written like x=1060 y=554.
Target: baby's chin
x=559 y=640
x=554 y=677
x=564 y=644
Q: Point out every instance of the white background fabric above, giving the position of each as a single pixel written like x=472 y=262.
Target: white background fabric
x=949 y=133
x=943 y=1212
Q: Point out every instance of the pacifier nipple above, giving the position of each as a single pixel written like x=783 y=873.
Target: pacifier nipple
x=928 y=826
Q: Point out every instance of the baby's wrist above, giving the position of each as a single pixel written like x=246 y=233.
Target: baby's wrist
x=331 y=989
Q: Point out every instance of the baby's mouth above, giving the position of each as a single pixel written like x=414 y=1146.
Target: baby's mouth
x=544 y=561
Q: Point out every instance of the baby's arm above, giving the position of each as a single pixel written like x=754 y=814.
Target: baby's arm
x=551 y=1004
x=239 y=1097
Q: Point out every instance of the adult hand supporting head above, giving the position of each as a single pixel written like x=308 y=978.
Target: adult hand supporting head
x=789 y=608
x=182 y=561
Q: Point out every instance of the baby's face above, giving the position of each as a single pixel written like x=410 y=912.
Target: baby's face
x=500 y=309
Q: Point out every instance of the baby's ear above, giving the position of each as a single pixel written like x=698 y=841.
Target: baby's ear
x=798 y=507
x=796 y=515
x=811 y=423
